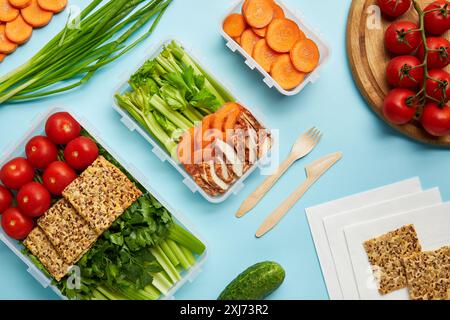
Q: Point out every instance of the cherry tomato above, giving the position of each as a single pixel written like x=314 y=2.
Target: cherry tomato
x=438 y=20
x=62 y=128
x=399 y=107
x=436 y=119
x=400 y=40
x=16 y=173
x=80 y=153
x=436 y=89
x=33 y=199
x=57 y=177
x=41 y=152
x=438 y=58
x=16 y=224
x=394 y=8
x=405 y=72
x=5 y=199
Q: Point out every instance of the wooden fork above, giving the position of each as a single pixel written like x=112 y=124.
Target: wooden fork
x=302 y=147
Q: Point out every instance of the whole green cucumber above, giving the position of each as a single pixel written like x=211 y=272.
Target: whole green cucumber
x=255 y=283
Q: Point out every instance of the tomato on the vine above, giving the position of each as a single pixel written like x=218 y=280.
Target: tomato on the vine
x=439 y=54
x=436 y=119
x=402 y=37
x=33 y=199
x=41 y=152
x=405 y=72
x=16 y=224
x=437 y=19
x=62 y=128
x=439 y=89
x=399 y=106
x=80 y=153
x=57 y=177
x=5 y=199
x=16 y=173
x=394 y=8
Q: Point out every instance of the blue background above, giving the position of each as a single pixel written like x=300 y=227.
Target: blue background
x=374 y=154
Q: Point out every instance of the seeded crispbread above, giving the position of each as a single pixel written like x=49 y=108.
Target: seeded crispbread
x=386 y=255
x=428 y=275
x=39 y=245
x=69 y=233
x=101 y=194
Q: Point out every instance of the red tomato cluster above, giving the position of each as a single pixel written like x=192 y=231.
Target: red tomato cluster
x=43 y=163
x=406 y=73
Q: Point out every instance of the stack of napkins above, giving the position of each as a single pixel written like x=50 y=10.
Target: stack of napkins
x=340 y=228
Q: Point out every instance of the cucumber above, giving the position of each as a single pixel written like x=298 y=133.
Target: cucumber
x=255 y=283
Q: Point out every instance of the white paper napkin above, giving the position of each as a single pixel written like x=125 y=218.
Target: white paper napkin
x=316 y=215
x=433 y=229
x=334 y=227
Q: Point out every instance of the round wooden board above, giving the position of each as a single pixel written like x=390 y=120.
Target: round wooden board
x=368 y=61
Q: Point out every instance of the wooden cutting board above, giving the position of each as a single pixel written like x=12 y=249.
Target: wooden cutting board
x=369 y=59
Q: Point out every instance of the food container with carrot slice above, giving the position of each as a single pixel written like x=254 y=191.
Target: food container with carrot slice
x=193 y=122
x=275 y=41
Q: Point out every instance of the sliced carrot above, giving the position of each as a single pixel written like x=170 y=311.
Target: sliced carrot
x=237 y=39
x=244 y=7
x=200 y=132
x=6 y=46
x=19 y=4
x=18 y=30
x=35 y=16
x=185 y=148
x=285 y=74
x=259 y=13
x=261 y=32
x=230 y=122
x=54 y=6
x=2 y=57
x=234 y=25
x=249 y=40
x=264 y=55
x=278 y=12
x=282 y=34
x=7 y=12
x=305 y=55
x=221 y=115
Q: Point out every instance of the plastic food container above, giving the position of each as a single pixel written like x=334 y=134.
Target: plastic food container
x=18 y=150
x=164 y=156
x=309 y=32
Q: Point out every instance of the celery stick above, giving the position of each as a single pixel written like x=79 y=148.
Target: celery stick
x=176 y=249
x=169 y=253
x=165 y=263
x=188 y=254
x=186 y=239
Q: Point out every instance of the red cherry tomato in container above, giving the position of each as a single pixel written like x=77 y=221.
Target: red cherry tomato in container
x=41 y=152
x=405 y=72
x=62 y=128
x=16 y=173
x=438 y=57
x=436 y=119
x=437 y=21
x=33 y=199
x=394 y=8
x=436 y=89
x=57 y=177
x=80 y=153
x=5 y=199
x=400 y=40
x=399 y=106
x=16 y=224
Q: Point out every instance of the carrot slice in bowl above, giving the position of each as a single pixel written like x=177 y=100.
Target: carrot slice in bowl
x=18 y=30
x=230 y=123
x=260 y=32
x=282 y=34
x=7 y=11
x=19 y=4
x=264 y=55
x=35 y=16
x=54 y=6
x=305 y=55
x=259 y=13
x=221 y=115
x=234 y=25
x=285 y=74
x=249 y=40
x=278 y=12
x=6 y=46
